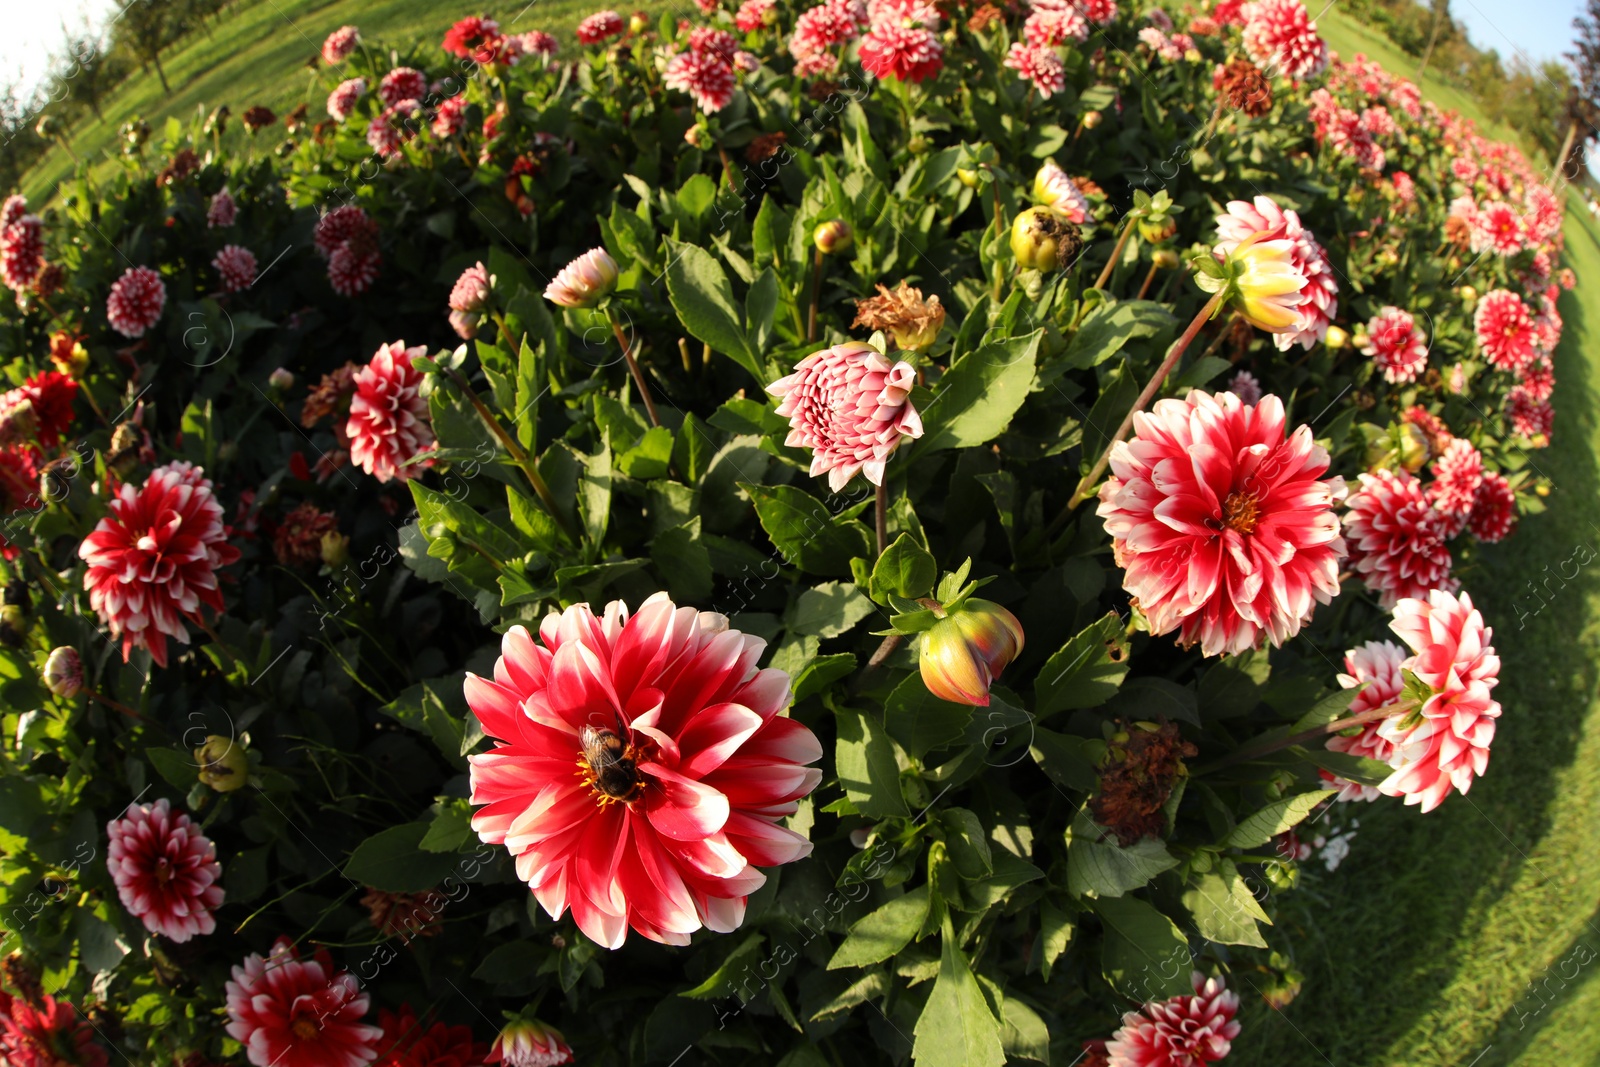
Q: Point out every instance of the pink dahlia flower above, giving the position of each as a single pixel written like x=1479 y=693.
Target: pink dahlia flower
x=851 y=407
x=1444 y=744
x=1099 y=12
x=136 y=301
x=1281 y=34
x=704 y=75
x=451 y=117
x=1223 y=524
x=1039 y=66
x=340 y=43
x=1053 y=27
x=153 y=559
x=1183 y=1031
x=165 y=870
x=389 y=423
x=754 y=14
x=1053 y=186
x=1397 y=538
x=397 y=124
x=342 y=101
x=289 y=1012
x=471 y=291
x=222 y=210
x=585 y=281
x=684 y=768
x=1244 y=220
x=22 y=252
x=713 y=41
x=529 y=1043
x=1395 y=343
x=1457 y=474
x=1498 y=228
x=1529 y=417
x=600 y=26
x=818 y=30
x=49 y=1035
x=353 y=268
x=340 y=225
x=236 y=265
x=402 y=83
x=903 y=41
x=1494 y=510
x=1374 y=668
x=1505 y=330
x=1245 y=386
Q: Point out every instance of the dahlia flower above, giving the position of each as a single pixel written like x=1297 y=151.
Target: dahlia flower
x=469 y=299
x=1498 y=228
x=353 y=268
x=1267 y=222
x=153 y=559
x=1053 y=27
x=684 y=768
x=340 y=43
x=754 y=14
x=585 y=281
x=136 y=301
x=22 y=252
x=14 y=207
x=1494 y=510
x=289 y=1012
x=389 y=423
x=1395 y=343
x=221 y=210
x=63 y=672
x=1529 y=417
x=236 y=265
x=402 y=83
x=851 y=407
x=1505 y=330
x=1040 y=66
x=529 y=1043
x=450 y=118
x=818 y=30
x=473 y=38
x=1444 y=744
x=537 y=43
x=1265 y=283
x=342 y=101
x=407 y=1043
x=297 y=541
x=1099 y=12
x=1397 y=538
x=1183 y=1031
x=1224 y=524
x=912 y=321
x=47 y=1035
x=704 y=75
x=1244 y=87
x=599 y=26
x=1457 y=474
x=964 y=653
x=902 y=41
x=50 y=394
x=1374 y=668
x=716 y=42
x=1279 y=33
x=1246 y=387
x=165 y=870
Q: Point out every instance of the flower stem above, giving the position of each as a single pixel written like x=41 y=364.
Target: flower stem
x=999 y=236
x=881 y=514
x=884 y=651
x=1150 y=389
x=1149 y=277
x=1266 y=748
x=519 y=455
x=816 y=297
x=633 y=368
x=1116 y=253
x=113 y=704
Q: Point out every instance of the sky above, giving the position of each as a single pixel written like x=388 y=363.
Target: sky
x=34 y=31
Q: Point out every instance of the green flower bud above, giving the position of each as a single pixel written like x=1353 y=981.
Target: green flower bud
x=834 y=236
x=224 y=765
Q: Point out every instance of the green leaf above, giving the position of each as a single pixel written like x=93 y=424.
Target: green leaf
x=594 y=495
x=1107 y=329
x=875 y=983
x=1055 y=934
x=1199 y=373
x=1224 y=909
x=804 y=531
x=1086 y=672
x=1067 y=759
x=978 y=396
x=393 y=860
x=1144 y=954
x=968 y=844
x=721 y=983
x=650 y=456
x=883 y=933
x=1023 y=1034
x=865 y=761
x=956 y=1028
x=1274 y=819
x=1346 y=765
x=1105 y=868
x=760 y=308
x=1152 y=698
x=905 y=569
x=703 y=299
x=450 y=829
x=1330 y=708
x=178 y=768
x=693 y=449
x=821 y=672
x=682 y=561
x=100 y=947
x=921 y=721
x=828 y=610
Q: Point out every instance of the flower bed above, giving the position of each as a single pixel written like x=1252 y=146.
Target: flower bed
x=791 y=534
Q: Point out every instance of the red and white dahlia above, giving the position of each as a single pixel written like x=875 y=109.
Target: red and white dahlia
x=389 y=422
x=1224 y=525
x=451 y=117
x=600 y=26
x=704 y=75
x=1529 y=417
x=340 y=43
x=1053 y=27
x=754 y=14
x=1395 y=343
x=50 y=1035
x=165 y=870
x=1319 y=304
x=1280 y=33
x=342 y=101
x=136 y=301
x=13 y=208
x=1053 y=186
x=221 y=210
x=402 y=83
x=471 y=290
x=1374 y=668
x=1505 y=330
x=1494 y=510
x=1099 y=12
x=353 y=267
x=902 y=41
x=852 y=407
x=236 y=265
x=1457 y=474
x=290 y=1012
x=684 y=768
x=820 y=29
x=530 y=1043
x=22 y=252
x=1497 y=228
x=1397 y=538
x=1040 y=66
x=1189 y=1030
x=50 y=394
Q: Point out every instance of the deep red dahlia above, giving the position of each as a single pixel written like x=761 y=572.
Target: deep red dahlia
x=473 y=38
x=15 y=206
x=22 y=252
x=1396 y=345
x=1280 y=35
x=1099 y=12
x=705 y=76
x=407 y=1043
x=1184 y=1031
x=298 y=539
x=50 y=1035
x=600 y=26
x=1494 y=511
x=1457 y=474
x=1396 y=537
x=165 y=870
x=51 y=394
x=236 y=266
x=402 y=83
x=1505 y=330
x=136 y=301
x=289 y=1012
x=389 y=422
x=153 y=559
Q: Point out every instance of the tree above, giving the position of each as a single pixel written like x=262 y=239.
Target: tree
x=1583 y=99
x=1441 y=13
x=145 y=23
x=84 y=71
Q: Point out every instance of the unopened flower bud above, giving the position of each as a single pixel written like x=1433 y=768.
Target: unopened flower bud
x=1336 y=337
x=969 y=178
x=224 y=765
x=638 y=22
x=63 y=672
x=48 y=127
x=335 y=548
x=528 y=1041
x=1090 y=119
x=13 y=625
x=1415 y=449
x=962 y=655
x=1164 y=259
x=1158 y=229
x=1541 y=490
x=1045 y=239
x=696 y=136
x=834 y=236
x=281 y=379
x=918 y=145
x=1468 y=295
x=585 y=281
x=1262 y=281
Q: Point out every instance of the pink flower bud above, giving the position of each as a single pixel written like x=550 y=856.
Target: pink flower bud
x=962 y=655
x=63 y=672
x=585 y=281
x=529 y=1043
x=281 y=379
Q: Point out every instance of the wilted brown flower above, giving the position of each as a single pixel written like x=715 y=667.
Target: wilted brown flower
x=765 y=146
x=295 y=119
x=1245 y=88
x=983 y=18
x=1137 y=779
x=330 y=395
x=911 y=320
x=822 y=89
x=298 y=540
x=1458 y=231
x=23 y=978
x=258 y=117
x=1089 y=188
x=405 y=915
x=184 y=163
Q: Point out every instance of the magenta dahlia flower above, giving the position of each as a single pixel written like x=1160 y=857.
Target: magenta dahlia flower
x=1189 y=1030
x=1054 y=27
x=754 y=14
x=902 y=41
x=641 y=768
x=153 y=559
x=585 y=281
x=1444 y=744
x=342 y=101
x=165 y=870
x=1246 y=387
x=1505 y=330
x=705 y=75
x=1041 y=67
x=22 y=252
x=339 y=44
x=1265 y=221
x=1397 y=538
x=47 y=1035
x=530 y=1043
x=402 y=83
x=851 y=407
x=1457 y=474
x=1281 y=34
x=1223 y=524
x=136 y=301
x=599 y=27
x=1498 y=228
x=389 y=424
x=221 y=210
x=1397 y=345
x=236 y=265
x=289 y=1012
x=1374 y=668
x=1494 y=510
x=1529 y=417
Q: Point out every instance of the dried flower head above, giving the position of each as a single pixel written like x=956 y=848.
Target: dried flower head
x=912 y=321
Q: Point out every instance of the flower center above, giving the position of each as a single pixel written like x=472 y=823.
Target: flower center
x=1241 y=512
x=609 y=765
x=305 y=1028
x=163 y=870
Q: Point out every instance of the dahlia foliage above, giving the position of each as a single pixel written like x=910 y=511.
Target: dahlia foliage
x=859 y=489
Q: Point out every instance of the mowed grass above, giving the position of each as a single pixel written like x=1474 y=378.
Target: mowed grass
x=1455 y=939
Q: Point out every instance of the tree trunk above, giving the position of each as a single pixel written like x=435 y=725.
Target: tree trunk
x=1565 y=155
x=1433 y=37
x=155 y=57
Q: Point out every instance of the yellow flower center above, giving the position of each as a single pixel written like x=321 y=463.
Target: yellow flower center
x=1241 y=512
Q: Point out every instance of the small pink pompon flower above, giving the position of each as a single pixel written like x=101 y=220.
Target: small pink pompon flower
x=136 y=301
x=585 y=281
x=1189 y=1030
x=389 y=422
x=165 y=870
x=1396 y=345
x=851 y=406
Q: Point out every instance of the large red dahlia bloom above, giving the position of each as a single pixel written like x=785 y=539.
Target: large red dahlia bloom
x=153 y=560
x=1244 y=220
x=136 y=301
x=50 y=1035
x=22 y=252
x=642 y=768
x=1397 y=539
x=51 y=393
x=599 y=26
x=473 y=37
x=289 y=1012
x=1396 y=345
x=407 y=1043
x=1224 y=525
x=1494 y=510
x=389 y=422
x=165 y=870
x=1375 y=668
x=1505 y=330
x=1281 y=34
x=1189 y=1030
x=851 y=407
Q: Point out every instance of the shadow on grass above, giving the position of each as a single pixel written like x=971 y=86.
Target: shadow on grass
x=1403 y=918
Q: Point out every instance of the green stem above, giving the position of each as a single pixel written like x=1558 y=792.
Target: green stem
x=1266 y=748
x=519 y=455
x=881 y=514
x=816 y=297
